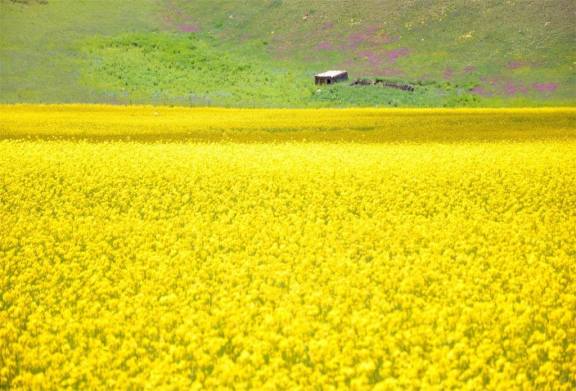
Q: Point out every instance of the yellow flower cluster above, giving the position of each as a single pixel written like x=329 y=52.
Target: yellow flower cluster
x=182 y=265
x=150 y=123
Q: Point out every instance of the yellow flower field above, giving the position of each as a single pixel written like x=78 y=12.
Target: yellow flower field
x=150 y=123
x=374 y=255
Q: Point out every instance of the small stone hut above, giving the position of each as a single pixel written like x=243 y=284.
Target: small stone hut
x=330 y=77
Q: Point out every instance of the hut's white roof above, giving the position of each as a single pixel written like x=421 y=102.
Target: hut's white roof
x=331 y=74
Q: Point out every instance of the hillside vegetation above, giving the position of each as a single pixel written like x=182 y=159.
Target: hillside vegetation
x=265 y=52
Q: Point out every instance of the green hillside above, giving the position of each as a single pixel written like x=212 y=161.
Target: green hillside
x=265 y=52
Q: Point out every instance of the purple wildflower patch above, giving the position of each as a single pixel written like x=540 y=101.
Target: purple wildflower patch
x=516 y=64
x=448 y=74
x=177 y=18
x=373 y=59
x=481 y=91
x=356 y=39
x=189 y=28
x=371 y=35
x=469 y=69
x=545 y=87
x=511 y=89
x=324 y=46
x=395 y=54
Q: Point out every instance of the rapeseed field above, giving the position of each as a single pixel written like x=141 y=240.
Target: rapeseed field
x=166 y=248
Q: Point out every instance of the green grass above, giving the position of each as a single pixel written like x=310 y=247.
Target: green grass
x=265 y=52
x=40 y=52
x=187 y=70
x=425 y=94
x=183 y=69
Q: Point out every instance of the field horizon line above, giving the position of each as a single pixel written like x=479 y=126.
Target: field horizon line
x=415 y=110
x=165 y=123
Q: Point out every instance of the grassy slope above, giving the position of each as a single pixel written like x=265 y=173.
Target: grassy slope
x=511 y=49
x=186 y=70
x=264 y=52
x=40 y=56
